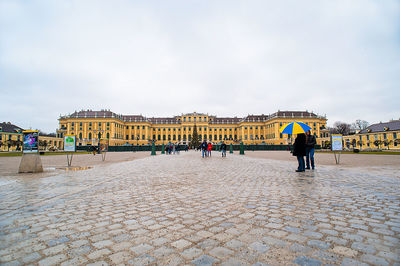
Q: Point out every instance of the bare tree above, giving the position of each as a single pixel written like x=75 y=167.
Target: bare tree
x=354 y=143
x=341 y=128
x=378 y=143
x=360 y=124
x=387 y=143
x=360 y=143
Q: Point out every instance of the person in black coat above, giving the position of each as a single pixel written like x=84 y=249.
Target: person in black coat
x=223 y=149
x=299 y=150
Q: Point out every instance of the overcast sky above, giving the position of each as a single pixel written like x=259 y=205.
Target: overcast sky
x=226 y=58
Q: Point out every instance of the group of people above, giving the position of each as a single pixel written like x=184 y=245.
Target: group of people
x=207 y=147
x=172 y=148
x=304 y=145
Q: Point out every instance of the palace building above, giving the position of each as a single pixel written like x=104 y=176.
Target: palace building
x=376 y=136
x=89 y=126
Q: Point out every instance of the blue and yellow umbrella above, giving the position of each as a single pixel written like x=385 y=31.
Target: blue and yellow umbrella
x=294 y=128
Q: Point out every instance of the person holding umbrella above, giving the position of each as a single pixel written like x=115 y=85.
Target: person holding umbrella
x=299 y=150
x=299 y=146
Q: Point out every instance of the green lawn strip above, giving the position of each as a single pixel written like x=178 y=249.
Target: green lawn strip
x=366 y=152
x=13 y=154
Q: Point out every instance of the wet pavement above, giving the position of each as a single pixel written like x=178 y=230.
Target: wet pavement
x=175 y=210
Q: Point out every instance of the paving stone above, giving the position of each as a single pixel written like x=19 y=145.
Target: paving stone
x=98 y=263
x=78 y=243
x=142 y=260
x=353 y=237
x=103 y=243
x=98 y=254
x=159 y=241
x=120 y=257
x=141 y=249
x=292 y=229
x=54 y=250
x=191 y=253
x=11 y=263
x=352 y=262
x=75 y=261
x=336 y=240
x=313 y=234
x=31 y=257
x=326 y=256
x=162 y=252
x=306 y=261
x=259 y=247
x=363 y=247
x=57 y=241
x=299 y=248
x=208 y=244
x=181 y=244
x=296 y=237
x=234 y=244
x=345 y=251
x=373 y=259
x=389 y=255
x=53 y=260
x=318 y=244
x=205 y=260
x=221 y=252
x=274 y=242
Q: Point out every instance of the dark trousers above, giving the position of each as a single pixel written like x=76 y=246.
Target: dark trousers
x=310 y=157
x=302 y=166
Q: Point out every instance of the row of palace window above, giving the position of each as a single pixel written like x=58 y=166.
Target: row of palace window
x=385 y=135
x=9 y=137
x=184 y=137
x=144 y=127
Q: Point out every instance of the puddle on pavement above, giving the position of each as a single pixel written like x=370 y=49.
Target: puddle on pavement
x=75 y=168
x=6 y=182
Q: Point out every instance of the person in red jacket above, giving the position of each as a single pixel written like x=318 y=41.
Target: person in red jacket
x=209 y=147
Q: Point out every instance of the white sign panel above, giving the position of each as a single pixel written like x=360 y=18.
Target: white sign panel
x=337 y=141
x=69 y=143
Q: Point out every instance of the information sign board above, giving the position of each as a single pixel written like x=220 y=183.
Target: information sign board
x=337 y=142
x=70 y=143
x=31 y=141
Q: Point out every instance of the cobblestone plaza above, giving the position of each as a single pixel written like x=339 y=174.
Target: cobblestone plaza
x=176 y=210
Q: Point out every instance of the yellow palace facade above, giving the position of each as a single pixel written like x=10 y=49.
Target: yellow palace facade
x=89 y=126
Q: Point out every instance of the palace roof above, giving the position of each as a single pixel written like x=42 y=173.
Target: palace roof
x=256 y=118
x=381 y=127
x=10 y=128
x=163 y=120
x=175 y=120
x=134 y=118
x=293 y=114
x=225 y=120
x=92 y=114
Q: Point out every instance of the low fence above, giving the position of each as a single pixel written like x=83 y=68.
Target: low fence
x=236 y=147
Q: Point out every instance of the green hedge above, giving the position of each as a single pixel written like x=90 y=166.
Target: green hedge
x=236 y=147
